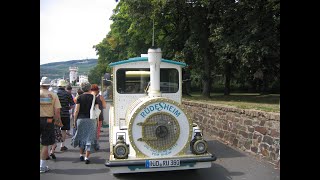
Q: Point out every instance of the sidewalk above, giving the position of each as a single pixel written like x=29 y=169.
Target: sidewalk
x=231 y=164
x=68 y=165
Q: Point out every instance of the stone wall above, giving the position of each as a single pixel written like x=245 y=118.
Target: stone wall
x=252 y=131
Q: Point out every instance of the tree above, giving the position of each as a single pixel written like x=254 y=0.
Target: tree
x=231 y=38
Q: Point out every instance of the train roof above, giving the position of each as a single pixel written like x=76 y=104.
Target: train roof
x=137 y=59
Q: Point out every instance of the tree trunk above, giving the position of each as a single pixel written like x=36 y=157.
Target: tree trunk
x=227 y=71
x=266 y=76
x=186 y=82
x=206 y=80
x=265 y=83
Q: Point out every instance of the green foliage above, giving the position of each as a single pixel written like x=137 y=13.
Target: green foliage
x=94 y=76
x=228 y=39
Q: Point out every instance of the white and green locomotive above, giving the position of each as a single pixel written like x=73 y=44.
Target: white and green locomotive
x=149 y=129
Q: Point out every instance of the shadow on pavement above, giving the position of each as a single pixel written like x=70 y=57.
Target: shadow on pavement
x=77 y=150
x=93 y=160
x=223 y=151
x=78 y=171
x=216 y=172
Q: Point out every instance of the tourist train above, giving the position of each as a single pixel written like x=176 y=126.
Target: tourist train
x=149 y=130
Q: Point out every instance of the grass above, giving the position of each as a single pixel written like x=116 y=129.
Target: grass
x=268 y=103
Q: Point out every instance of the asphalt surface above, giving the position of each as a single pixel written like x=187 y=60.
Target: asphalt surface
x=231 y=164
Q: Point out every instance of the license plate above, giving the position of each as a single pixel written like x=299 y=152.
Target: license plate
x=162 y=163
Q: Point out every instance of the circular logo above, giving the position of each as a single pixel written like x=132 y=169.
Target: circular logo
x=159 y=128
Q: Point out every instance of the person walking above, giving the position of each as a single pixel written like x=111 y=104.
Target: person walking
x=102 y=105
x=67 y=103
x=79 y=92
x=49 y=113
x=71 y=111
x=58 y=137
x=86 y=134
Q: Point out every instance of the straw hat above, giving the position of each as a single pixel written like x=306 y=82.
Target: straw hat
x=62 y=83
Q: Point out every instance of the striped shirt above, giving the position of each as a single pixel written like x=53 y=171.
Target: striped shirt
x=66 y=101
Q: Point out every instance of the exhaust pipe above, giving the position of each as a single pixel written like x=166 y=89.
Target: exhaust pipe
x=154 y=59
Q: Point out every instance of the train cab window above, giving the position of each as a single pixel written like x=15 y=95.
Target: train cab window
x=135 y=81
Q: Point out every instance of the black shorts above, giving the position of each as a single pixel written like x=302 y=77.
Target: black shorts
x=47 y=136
x=66 y=123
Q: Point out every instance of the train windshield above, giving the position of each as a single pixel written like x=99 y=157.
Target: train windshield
x=135 y=81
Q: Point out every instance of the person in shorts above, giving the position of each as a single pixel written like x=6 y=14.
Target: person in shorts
x=49 y=113
x=67 y=103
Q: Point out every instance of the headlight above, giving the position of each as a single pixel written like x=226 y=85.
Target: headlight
x=120 y=151
x=200 y=147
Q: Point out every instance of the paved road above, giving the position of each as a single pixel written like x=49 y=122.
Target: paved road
x=231 y=164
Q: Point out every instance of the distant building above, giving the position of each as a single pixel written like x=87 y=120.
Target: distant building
x=76 y=79
x=73 y=74
x=83 y=78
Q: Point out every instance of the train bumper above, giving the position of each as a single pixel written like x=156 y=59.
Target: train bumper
x=132 y=166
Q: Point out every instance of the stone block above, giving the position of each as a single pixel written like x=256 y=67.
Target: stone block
x=240 y=127
x=230 y=126
x=265 y=152
x=262 y=123
x=235 y=142
x=261 y=130
x=221 y=134
x=205 y=120
x=235 y=130
x=268 y=140
x=236 y=119
x=225 y=126
x=264 y=146
x=243 y=133
x=271 y=149
x=254 y=149
x=231 y=137
x=241 y=121
x=273 y=156
x=248 y=122
x=215 y=132
x=274 y=133
x=255 y=143
x=269 y=124
x=255 y=122
x=250 y=129
x=219 y=126
x=256 y=135
x=247 y=145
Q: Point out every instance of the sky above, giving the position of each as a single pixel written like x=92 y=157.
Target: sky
x=70 y=28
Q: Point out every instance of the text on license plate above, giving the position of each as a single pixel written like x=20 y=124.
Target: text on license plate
x=162 y=163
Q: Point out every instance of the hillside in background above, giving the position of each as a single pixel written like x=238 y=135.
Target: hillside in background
x=59 y=69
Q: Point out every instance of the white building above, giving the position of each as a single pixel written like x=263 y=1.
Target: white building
x=83 y=78
x=73 y=74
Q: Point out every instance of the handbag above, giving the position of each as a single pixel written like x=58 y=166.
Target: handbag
x=94 y=112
